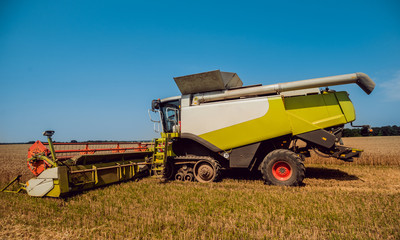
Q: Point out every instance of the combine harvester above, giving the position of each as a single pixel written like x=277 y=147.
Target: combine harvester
x=217 y=124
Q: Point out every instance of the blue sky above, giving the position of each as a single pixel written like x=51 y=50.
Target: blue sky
x=89 y=69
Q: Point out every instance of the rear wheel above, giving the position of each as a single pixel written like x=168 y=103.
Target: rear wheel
x=283 y=167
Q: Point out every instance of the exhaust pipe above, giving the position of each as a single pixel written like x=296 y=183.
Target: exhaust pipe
x=361 y=79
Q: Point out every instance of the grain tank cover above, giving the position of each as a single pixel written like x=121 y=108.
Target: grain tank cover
x=207 y=81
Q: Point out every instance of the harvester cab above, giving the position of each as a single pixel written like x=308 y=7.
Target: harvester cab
x=169 y=114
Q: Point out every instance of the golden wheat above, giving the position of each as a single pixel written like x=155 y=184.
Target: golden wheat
x=377 y=151
x=349 y=201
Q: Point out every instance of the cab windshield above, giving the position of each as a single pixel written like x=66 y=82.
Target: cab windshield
x=170 y=116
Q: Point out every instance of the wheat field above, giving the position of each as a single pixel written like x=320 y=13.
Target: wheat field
x=378 y=151
x=359 y=200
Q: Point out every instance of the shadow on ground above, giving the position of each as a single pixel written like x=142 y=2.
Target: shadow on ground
x=326 y=173
x=242 y=174
x=311 y=172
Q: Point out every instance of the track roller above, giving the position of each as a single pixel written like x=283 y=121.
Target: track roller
x=189 y=177
x=185 y=173
x=179 y=176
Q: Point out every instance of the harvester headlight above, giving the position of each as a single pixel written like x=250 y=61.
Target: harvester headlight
x=225 y=155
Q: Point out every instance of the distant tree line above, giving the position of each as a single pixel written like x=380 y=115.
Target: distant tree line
x=89 y=141
x=377 y=131
x=347 y=132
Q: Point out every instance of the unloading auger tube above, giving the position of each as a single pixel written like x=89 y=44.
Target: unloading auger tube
x=361 y=79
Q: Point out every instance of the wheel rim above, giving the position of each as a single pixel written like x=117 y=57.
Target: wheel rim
x=282 y=171
x=205 y=172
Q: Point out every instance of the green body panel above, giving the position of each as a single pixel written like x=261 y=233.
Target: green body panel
x=347 y=106
x=289 y=115
x=312 y=112
x=61 y=185
x=274 y=123
x=56 y=191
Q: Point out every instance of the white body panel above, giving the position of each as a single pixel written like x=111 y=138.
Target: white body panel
x=49 y=173
x=209 y=117
x=42 y=184
x=39 y=187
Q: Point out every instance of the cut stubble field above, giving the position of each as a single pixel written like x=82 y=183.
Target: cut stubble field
x=359 y=200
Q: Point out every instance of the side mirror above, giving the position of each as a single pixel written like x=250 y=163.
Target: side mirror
x=366 y=130
x=155 y=104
